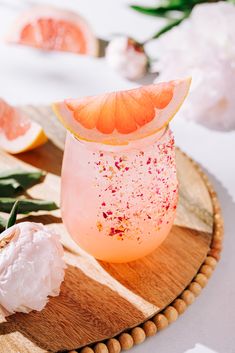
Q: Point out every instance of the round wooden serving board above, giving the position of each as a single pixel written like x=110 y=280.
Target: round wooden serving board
x=101 y=300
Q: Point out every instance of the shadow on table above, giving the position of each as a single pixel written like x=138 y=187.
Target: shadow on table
x=42 y=218
x=47 y=157
x=147 y=79
x=210 y=321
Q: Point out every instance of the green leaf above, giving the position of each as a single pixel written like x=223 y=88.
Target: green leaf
x=24 y=178
x=166 y=7
x=180 y=3
x=13 y=215
x=3 y=223
x=185 y=4
x=26 y=205
x=160 y=11
x=169 y=26
x=9 y=187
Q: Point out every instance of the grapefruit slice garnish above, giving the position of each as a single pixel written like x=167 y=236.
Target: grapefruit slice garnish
x=120 y=117
x=50 y=28
x=17 y=132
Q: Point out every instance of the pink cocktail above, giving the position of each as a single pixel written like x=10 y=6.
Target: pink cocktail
x=119 y=202
x=119 y=183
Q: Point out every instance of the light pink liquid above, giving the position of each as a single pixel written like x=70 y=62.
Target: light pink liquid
x=119 y=205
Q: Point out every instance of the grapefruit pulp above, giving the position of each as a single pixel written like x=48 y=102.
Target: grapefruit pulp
x=17 y=132
x=50 y=28
x=120 y=117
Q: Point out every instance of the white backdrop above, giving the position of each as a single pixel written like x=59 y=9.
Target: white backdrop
x=28 y=76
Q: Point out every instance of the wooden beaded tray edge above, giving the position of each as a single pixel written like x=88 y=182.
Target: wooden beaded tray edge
x=168 y=315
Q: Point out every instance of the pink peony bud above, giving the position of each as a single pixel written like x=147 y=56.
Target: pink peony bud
x=127 y=57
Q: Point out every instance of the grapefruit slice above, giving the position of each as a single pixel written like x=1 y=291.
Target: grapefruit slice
x=17 y=132
x=50 y=28
x=124 y=116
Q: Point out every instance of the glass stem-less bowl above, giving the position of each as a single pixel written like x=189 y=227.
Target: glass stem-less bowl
x=119 y=202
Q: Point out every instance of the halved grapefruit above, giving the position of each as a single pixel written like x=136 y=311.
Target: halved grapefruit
x=17 y=132
x=50 y=28
x=120 y=117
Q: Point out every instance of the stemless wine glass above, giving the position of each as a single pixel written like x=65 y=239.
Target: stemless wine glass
x=119 y=202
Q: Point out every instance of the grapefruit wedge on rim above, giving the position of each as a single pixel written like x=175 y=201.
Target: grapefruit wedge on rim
x=120 y=117
x=17 y=132
x=51 y=28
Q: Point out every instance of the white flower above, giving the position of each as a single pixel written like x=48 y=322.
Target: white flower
x=203 y=47
x=31 y=267
x=127 y=57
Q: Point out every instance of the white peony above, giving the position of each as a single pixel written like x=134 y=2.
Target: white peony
x=203 y=47
x=31 y=267
x=127 y=57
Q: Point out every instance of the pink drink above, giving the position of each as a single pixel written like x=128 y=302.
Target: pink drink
x=119 y=202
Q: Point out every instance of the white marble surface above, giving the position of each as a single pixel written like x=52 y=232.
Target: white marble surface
x=28 y=76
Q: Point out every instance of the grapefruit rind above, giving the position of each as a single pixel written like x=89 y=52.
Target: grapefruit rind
x=162 y=119
x=34 y=137
x=38 y=12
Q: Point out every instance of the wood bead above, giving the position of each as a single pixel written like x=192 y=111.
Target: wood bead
x=138 y=335
x=73 y=352
x=201 y=279
x=160 y=321
x=215 y=253
x=150 y=328
x=210 y=261
x=188 y=297
x=180 y=306
x=219 y=231
x=217 y=245
x=126 y=341
x=101 y=348
x=87 y=350
x=206 y=270
x=195 y=288
x=113 y=345
x=217 y=239
x=171 y=314
x=216 y=207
